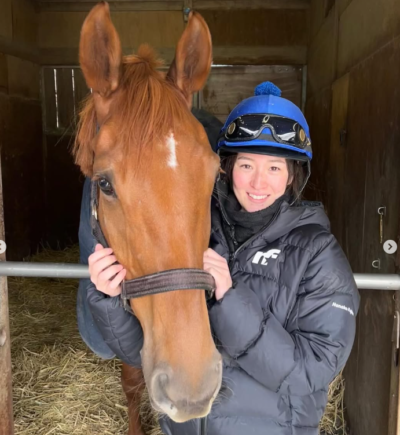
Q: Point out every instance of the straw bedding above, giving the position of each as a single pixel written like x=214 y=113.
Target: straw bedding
x=60 y=387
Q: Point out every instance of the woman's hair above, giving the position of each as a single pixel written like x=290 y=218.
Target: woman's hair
x=295 y=170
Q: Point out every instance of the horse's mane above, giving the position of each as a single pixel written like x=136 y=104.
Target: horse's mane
x=147 y=108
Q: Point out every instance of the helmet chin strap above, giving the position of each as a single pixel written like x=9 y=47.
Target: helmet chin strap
x=304 y=184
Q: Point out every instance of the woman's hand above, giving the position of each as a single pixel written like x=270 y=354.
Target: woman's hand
x=105 y=275
x=217 y=266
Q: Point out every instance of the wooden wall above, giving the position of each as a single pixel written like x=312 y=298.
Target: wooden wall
x=20 y=128
x=354 y=114
x=227 y=86
x=270 y=36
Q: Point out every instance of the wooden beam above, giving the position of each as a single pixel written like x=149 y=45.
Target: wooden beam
x=210 y=5
x=6 y=412
x=121 y=5
x=171 y=5
x=285 y=55
x=20 y=50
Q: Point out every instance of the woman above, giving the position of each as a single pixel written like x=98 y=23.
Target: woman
x=285 y=301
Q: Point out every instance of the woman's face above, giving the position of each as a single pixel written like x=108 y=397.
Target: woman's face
x=258 y=180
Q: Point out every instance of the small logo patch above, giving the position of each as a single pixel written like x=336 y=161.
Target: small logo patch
x=272 y=253
x=343 y=307
x=231 y=128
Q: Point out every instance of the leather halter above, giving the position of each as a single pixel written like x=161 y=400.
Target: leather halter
x=160 y=282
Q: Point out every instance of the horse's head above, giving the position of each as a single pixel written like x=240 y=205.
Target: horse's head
x=155 y=171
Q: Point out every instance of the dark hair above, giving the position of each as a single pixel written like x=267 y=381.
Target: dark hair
x=295 y=170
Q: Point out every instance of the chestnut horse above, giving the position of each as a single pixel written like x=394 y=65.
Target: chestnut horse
x=156 y=171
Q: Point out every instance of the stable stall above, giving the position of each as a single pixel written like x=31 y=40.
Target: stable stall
x=338 y=60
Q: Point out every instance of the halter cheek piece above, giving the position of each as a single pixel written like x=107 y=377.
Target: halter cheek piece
x=160 y=282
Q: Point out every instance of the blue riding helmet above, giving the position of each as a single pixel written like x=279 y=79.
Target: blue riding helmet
x=267 y=124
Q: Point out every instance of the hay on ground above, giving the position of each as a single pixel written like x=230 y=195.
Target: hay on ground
x=59 y=386
x=333 y=421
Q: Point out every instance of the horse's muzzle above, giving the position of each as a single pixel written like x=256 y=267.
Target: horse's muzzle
x=172 y=395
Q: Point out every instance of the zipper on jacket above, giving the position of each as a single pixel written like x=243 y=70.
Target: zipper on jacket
x=233 y=255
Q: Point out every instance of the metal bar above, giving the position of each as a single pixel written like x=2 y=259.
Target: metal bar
x=45 y=270
x=70 y=270
x=379 y=281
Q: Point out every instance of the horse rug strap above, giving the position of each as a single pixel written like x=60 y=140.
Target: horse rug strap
x=94 y=223
x=160 y=282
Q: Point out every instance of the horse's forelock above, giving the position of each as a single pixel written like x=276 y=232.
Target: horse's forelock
x=87 y=127
x=147 y=107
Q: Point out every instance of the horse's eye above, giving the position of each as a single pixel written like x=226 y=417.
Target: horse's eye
x=105 y=186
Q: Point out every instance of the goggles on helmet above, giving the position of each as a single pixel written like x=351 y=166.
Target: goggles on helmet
x=283 y=130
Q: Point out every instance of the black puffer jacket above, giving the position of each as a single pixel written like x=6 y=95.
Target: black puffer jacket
x=285 y=329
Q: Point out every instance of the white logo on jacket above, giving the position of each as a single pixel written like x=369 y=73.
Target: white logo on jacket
x=272 y=253
x=343 y=307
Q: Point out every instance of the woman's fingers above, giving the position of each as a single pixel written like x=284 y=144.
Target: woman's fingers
x=115 y=282
x=96 y=268
x=215 y=258
x=104 y=273
x=98 y=254
x=113 y=287
x=215 y=263
x=212 y=260
x=214 y=272
x=108 y=273
x=210 y=253
x=218 y=267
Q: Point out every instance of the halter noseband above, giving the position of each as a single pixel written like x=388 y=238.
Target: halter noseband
x=160 y=282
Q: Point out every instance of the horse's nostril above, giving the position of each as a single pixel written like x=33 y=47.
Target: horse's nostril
x=160 y=384
x=162 y=380
x=161 y=399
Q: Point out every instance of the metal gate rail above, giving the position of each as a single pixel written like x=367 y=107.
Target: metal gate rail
x=370 y=281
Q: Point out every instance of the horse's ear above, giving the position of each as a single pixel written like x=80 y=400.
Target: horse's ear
x=191 y=66
x=100 y=53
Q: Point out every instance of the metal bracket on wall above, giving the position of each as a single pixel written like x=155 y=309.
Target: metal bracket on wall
x=376 y=264
x=187 y=7
x=381 y=212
